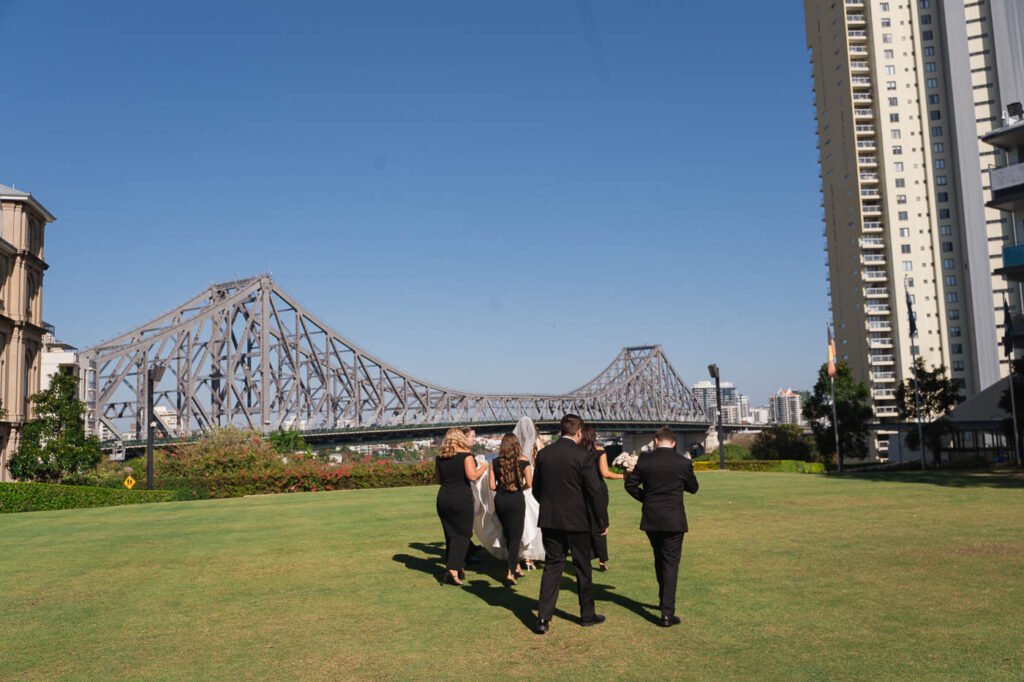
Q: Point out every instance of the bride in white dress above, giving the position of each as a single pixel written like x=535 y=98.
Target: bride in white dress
x=486 y=525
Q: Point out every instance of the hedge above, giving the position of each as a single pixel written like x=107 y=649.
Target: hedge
x=792 y=466
x=23 y=497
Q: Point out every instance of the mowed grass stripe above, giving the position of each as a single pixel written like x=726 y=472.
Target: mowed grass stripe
x=784 y=576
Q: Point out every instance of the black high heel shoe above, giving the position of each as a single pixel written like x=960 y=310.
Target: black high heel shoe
x=451 y=579
x=510 y=582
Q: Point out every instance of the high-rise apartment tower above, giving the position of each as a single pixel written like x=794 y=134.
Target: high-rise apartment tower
x=903 y=91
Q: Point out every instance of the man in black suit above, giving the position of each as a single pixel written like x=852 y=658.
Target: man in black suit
x=566 y=485
x=658 y=480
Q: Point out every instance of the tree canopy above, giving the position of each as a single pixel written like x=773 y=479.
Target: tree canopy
x=852 y=408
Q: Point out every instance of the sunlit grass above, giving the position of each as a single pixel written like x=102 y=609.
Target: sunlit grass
x=784 y=576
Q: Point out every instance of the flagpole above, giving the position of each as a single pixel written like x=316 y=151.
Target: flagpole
x=832 y=382
x=917 y=406
x=1013 y=409
x=835 y=425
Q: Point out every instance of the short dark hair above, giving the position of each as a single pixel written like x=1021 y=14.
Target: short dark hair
x=665 y=435
x=467 y=430
x=570 y=424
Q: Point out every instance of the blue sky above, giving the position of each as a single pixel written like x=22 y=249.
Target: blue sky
x=491 y=196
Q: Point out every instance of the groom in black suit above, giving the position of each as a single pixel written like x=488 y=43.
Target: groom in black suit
x=658 y=480
x=566 y=485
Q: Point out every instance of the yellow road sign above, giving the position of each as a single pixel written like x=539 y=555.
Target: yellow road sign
x=129 y=482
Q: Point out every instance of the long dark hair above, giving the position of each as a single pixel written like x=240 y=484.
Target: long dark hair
x=508 y=462
x=589 y=439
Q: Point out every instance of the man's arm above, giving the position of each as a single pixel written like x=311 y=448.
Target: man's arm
x=690 y=484
x=633 y=483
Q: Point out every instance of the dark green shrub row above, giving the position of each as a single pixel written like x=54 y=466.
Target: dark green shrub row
x=365 y=474
x=22 y=497
x=791 y=466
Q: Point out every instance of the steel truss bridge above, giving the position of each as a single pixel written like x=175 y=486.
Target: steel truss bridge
x=245 y=353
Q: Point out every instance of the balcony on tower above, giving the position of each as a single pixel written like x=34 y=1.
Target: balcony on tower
x=876 y=292
x=1008 y=182
x=872 y=243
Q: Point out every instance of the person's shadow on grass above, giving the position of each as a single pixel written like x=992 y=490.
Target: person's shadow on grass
x=494 y=593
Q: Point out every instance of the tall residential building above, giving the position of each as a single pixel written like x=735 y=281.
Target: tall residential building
x=784 y=407
x=22 y=224
x=903 y=91
x=704 y=392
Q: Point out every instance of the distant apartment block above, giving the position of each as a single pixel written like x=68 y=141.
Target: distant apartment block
x=784 y=407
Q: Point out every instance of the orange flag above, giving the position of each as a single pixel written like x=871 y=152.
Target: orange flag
x=831 y=353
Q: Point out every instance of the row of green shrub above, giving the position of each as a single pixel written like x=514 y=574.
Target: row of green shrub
x=791 y=466
x=23 y=497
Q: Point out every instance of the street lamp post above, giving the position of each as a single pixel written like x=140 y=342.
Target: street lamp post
x=713 y=371
x=153 y=376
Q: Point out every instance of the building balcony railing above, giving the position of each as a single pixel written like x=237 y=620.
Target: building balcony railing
x=859 y=66
x=886 y=411
x=863 y=113
x=859 y=36
x=878 y=309
x=883 y=393
x=855 y=18
x=865 y=144
x=871 y=209
x=858 y=49
x=878 y=326
x=873 y=259
x=872 y=243
x=864 y=129
x=867 y=161
x=870 y=193
x=880 y=342
x=881 y=360
x=873 y=226
x=854 y=3
x=869 y=177
x=862 y=97
x=860 y=82
x=876 y=292
x=885 y=377
x=1007 y=188
x=874 y=276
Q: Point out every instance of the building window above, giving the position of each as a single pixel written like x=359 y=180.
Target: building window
x=904 y=231
x=902 y=215
x=884 y=7
x=942 y=197
x=940 y=164
x=933 y=99
x=951 y=297
x=956 y=348
x=926 y=35
x=950 y=280
x=938 y=148
x=901 y=198
x=886 y=37
x=929 y=51
x=898 y=166
x=945 y=230
x=900 y=182
x=959 y=383
x=929 y=67
x=925 y=4
x=890 y=70
x=895 y=134
x=940 y=180
x=932 y=82
x=948 y=264
x=954 y=314
x=926 y=19
x=954 y=331
x=936 y=131
x=958 y=365
x=897 y=149
x=907 y=266
x=947 y=247
x=886 y=22
x=890 y=85
x=904 y=248
x=944 y=214
x=894 y=118
x=893 y=101
x=888 y=54
x=935 y=115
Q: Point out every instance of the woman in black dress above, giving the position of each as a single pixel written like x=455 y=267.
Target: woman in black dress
x=598 y=542
x=510 y=475
x=456 y=467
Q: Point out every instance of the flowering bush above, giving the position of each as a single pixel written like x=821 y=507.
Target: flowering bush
x=222 y=451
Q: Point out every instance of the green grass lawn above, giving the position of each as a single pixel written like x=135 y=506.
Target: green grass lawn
x=784 y=576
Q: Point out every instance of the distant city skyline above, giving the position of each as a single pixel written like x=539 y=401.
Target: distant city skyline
x=492 y=198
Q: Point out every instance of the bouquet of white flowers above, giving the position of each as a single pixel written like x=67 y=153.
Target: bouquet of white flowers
x=625 y=461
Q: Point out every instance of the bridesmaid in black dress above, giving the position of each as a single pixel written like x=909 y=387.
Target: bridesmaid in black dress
x=456 y=467
x=598 y=541
x=510 y=475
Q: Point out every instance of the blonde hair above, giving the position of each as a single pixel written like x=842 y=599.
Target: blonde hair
x=454 y=441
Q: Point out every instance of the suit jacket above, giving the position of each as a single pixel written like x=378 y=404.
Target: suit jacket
x=567 y=487
x=658 y=480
